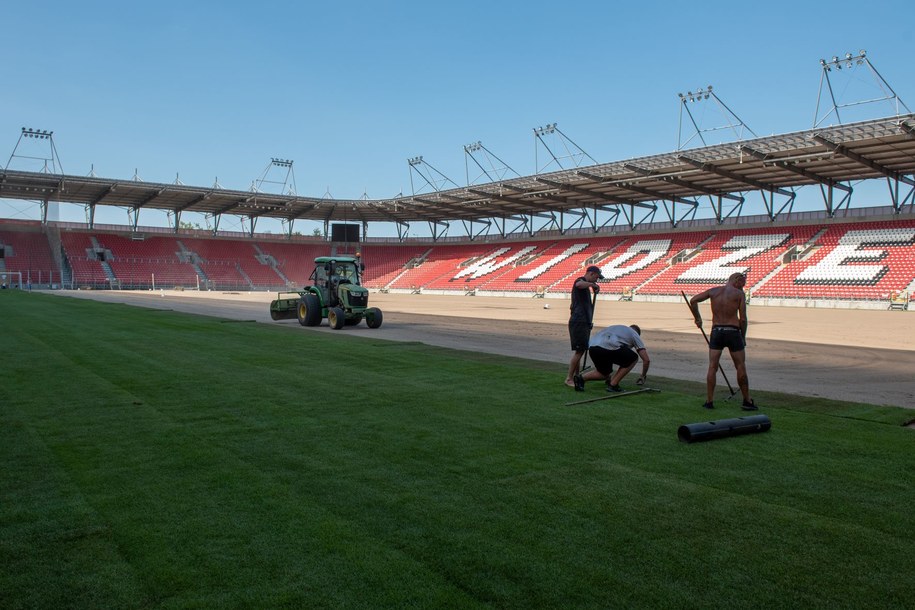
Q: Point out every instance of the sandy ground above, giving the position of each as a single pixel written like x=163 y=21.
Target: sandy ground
x=860 y=355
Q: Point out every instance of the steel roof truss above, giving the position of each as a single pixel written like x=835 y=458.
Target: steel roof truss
x=827 y=185
x=629 y=216
x=468 y=227
x=829 y=199
x=149 y=199
x=850 y=154
x=614 y=215
x=460 y=210
x=671 y=210
x=403 y=230
x=718 y=171
x=771 y=204
x=673 y=179
x=656 y=195
x=735 y=210
x=458 y=199
x=898 y=204
x=104 y=194
x=525 y=223
x=615 y=199
x=699 y=190
x=574 y=189
x=193 y=202
x=537 y=194
x=508 y=199
x=216 y=218
x=288 y=224
x=428 y=215
x=433 y=228
x=227 y=208
x=581 y=191
x=552 y=223
x=500 y=227
x=844 y=154
x=381 y=210
x=330 y=213
x=133 y=217
x=791 y=167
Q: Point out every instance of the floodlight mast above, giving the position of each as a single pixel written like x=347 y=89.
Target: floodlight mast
x=287 y=187
x=52 y=158
x=432 y=178
x=852 y=62
x=495 y=173
x=731 y=120
x=50 y=161
x=573 y=151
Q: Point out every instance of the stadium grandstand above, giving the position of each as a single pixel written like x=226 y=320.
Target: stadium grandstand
x=865 y=261
x=636 y=219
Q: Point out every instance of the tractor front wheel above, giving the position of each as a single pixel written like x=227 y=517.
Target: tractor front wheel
x=336 y=317
x=373 y=317
x=309 y=310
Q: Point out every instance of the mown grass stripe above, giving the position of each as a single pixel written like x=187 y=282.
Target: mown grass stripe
x=256 y=465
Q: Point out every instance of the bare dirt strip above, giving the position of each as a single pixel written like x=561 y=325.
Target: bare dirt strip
x=858 y=355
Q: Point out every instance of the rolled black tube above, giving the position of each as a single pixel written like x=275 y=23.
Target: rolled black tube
x=710 y=430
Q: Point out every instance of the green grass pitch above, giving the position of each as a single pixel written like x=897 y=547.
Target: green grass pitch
x=156 y=459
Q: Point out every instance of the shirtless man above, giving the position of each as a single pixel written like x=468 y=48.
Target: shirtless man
x=729 y=329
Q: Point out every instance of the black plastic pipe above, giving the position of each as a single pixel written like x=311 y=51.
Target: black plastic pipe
x=710 y=430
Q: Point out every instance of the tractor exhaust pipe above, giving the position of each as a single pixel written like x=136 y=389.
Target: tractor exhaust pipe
x=707 y=431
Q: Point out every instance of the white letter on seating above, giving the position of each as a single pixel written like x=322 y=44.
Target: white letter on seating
x=838 y=265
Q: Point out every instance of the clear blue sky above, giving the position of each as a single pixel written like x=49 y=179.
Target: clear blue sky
x=350 y=91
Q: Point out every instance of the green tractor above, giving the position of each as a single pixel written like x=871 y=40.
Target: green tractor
x=336 y=294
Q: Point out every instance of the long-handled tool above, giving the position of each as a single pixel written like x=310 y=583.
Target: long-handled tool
x=584 y=363
x=731 y=389
x=608 y=396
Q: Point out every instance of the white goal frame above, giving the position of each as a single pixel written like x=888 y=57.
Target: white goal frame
x=11 y=279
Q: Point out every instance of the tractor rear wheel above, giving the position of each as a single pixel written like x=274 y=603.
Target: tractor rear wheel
x=373 y=317
x=308 y=310
x=336 y=318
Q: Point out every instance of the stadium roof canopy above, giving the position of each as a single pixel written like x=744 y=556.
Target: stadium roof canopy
x=829 y=156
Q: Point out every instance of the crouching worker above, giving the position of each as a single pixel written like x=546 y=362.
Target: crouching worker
x=620 y=345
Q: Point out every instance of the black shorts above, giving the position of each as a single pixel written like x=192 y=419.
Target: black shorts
x=726 y=337
x=580 y=335
x=604 y=359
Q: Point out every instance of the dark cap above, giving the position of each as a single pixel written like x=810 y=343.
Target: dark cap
x=595 y=269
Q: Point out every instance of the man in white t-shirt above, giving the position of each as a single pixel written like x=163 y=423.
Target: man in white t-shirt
x=620 y=345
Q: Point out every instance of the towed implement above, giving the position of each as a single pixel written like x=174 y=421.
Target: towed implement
x=336 y=293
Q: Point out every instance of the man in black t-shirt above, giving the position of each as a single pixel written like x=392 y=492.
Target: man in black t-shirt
x=581 y=318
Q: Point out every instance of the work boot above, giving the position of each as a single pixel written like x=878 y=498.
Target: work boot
x=749 y=405
x=709 y=405
x=579 y=383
